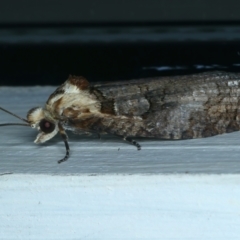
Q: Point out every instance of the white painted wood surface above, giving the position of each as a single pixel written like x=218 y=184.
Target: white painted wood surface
x=108 y=189
x=120 y=207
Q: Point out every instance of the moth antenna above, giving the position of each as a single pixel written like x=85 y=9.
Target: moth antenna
x=15 y=124
x=65 y=139
x=25 y=120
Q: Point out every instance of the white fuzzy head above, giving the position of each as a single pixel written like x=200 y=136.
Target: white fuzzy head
x=39 y=118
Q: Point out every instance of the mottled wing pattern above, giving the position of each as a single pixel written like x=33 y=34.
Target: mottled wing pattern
x=180 y=107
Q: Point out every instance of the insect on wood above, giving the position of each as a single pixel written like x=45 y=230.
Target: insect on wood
x=180 y=107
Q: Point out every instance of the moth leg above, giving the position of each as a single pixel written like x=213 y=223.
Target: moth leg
x=133 y=142
x=65 y=139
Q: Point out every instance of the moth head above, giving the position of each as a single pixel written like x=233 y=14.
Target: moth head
x=41 y=119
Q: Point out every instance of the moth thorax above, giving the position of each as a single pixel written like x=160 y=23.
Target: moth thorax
x=35 y=115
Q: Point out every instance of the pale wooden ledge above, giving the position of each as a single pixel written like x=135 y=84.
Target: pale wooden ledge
x=109 y=155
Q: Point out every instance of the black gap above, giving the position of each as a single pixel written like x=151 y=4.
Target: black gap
x=51 y=64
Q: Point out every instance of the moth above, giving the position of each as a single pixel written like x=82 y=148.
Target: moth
x=176 y=107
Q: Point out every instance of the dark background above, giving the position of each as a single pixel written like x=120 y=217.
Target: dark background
x=42 y=42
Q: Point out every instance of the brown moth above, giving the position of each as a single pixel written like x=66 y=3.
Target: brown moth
x=180 y=107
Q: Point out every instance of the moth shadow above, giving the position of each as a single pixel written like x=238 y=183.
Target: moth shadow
x=105 y=138
x=81 y=138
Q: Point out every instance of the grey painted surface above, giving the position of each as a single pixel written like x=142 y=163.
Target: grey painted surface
x=95 y=11
x=155 y=34
x=90 y=155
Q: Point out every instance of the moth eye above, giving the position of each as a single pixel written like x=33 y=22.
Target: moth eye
x=46 y=126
